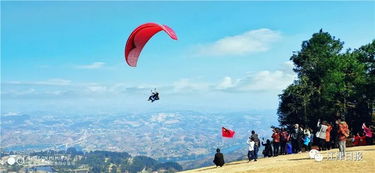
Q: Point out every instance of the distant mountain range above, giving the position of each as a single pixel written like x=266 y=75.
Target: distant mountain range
x=187 y=137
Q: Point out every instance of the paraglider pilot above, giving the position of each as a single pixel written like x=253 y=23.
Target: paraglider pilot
x=154 y=96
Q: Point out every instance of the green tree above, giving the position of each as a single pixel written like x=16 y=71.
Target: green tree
x=330 y=84
x=294 y=107
x=365 y=55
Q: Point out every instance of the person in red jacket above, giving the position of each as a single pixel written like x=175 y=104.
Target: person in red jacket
x=362 y=140
x=284 y=138
x=368 y=133
x=356 y=140
x=276 y=141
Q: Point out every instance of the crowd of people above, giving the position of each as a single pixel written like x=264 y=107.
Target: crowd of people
x=325 y=137
x=302 y=139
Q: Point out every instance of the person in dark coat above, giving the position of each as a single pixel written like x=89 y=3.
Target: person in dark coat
x=297 y=138
x=219 y=158
x=267 y=152
x=257 y=144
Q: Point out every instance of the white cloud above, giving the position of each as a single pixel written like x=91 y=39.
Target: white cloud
x=55 y=82
x=45 y=82
x=94 y=65
x=266 y=80
x=11 y=114
x=187 y=85
x=249 y=42
x=97 y=88
x=20 y=93
x=55 y=93
x=261 y=81
x=227 y=82
x=288 y=66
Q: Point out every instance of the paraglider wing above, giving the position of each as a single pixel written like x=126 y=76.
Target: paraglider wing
x=139 y=37
x=227 y=133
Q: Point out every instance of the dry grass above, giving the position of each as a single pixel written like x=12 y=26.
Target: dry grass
x=300 y=163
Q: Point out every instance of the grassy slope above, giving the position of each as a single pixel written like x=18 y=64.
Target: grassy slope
x=300 y=163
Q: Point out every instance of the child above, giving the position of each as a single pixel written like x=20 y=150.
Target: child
x=306 y=142
x=251 y=152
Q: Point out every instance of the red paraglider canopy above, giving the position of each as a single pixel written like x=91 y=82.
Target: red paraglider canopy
x=139 y=37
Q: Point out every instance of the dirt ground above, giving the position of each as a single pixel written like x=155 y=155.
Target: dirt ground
x=301 y=163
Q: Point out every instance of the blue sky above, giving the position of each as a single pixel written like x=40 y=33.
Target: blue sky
x=229 y=56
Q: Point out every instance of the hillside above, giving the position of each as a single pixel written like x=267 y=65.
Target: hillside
x=300 y=163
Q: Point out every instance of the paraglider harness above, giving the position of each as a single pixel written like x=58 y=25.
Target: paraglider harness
x=154 y=96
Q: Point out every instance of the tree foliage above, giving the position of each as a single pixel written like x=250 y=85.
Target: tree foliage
x=331 y=83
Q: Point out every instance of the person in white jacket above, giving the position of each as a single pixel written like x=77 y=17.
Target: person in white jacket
x=250 y=153
x=321 y=134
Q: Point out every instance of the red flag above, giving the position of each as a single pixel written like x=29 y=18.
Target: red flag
x=227 y=132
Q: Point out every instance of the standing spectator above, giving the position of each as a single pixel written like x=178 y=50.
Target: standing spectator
x=297 y=136
x=311 y=137
x=276 y=141
x=300 y=140
x=368 y=133
x=334 y=135
x=219 y=158
x=284 y=138
x=257 y=144
x=321 y=134
x=250 y=153
x=328 y=136
x=362 y=140
x=356 y=139
x=307 y=139
x=343 y=133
